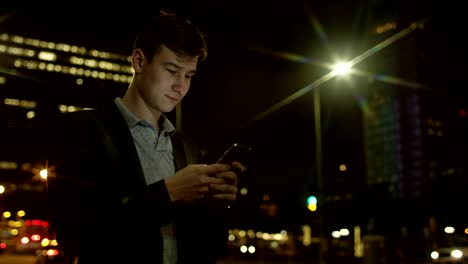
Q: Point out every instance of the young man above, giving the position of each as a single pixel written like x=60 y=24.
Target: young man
x=127 y=186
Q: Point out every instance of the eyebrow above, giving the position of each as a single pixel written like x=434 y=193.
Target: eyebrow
x=178 y=66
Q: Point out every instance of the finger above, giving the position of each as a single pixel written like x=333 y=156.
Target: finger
x=207 y=180
x=228 y=175
x=215 y=168
x=200 y=196
x=224 y=188
x=239 y=166
x=203 y=190
x=225 y=196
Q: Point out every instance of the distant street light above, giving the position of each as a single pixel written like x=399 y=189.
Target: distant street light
x=6 y=214
x=449 y=230
x=343 y=167
x=21 y=213
x=43 y=173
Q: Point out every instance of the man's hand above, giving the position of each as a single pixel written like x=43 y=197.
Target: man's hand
x=228 y=189
x=193 y=182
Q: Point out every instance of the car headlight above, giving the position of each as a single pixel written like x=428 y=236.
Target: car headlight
x=434 y=254
x=456 y=253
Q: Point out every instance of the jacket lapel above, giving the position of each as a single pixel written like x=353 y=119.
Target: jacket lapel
x=120 y=140
x=179 y=153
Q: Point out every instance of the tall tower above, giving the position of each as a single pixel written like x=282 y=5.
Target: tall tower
x=392 y=119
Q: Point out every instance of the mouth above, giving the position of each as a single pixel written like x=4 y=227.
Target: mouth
x=172 y=98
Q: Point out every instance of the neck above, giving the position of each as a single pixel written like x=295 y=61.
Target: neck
x=138 y=106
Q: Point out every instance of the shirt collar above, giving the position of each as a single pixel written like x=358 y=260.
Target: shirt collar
x=132 y=120
x=166 y=125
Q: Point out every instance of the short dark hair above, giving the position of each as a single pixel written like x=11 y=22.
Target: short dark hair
x=173 y=31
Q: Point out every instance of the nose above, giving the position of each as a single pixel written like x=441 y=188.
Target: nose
x=181 y=85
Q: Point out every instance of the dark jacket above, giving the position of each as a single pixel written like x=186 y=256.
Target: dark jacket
x=100 y=206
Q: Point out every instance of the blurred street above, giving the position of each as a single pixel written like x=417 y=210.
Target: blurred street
x=29 y=259
x=17 y=259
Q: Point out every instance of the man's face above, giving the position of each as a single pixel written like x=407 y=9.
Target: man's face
x=166 y=80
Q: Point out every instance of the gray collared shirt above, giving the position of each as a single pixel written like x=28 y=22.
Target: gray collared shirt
x=157 y=160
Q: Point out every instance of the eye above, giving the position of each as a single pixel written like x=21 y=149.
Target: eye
x=171 y=71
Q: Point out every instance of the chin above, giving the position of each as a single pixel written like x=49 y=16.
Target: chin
x=169 y=109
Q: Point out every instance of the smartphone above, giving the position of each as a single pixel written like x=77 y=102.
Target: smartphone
x=236 y=152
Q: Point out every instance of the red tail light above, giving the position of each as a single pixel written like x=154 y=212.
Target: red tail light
x=52 y=252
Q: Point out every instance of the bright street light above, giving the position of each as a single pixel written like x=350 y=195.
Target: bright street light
x=341 y=68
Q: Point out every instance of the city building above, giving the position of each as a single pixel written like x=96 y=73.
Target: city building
x=40 y=79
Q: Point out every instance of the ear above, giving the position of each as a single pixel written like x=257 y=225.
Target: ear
x=138 y=60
